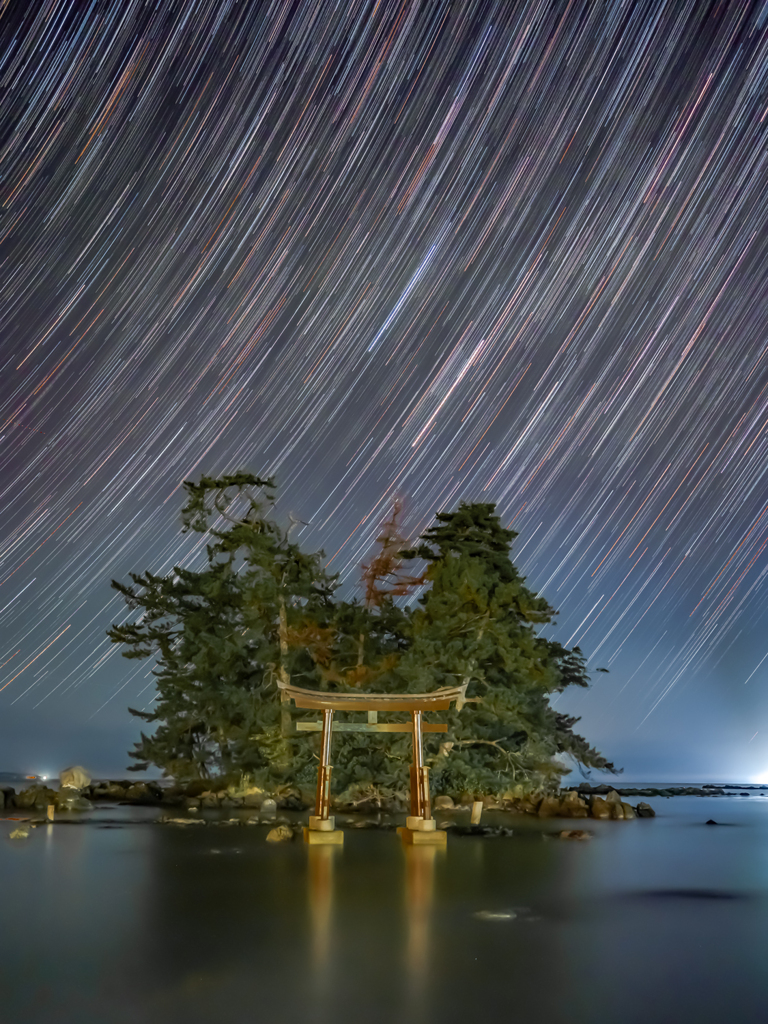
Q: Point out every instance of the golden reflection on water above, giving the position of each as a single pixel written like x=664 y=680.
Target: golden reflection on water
x=320 y=867
x=418 y=898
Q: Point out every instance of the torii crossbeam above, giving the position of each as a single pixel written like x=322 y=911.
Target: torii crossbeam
x=420 y=825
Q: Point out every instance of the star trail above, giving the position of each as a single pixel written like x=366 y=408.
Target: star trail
x=485 y=250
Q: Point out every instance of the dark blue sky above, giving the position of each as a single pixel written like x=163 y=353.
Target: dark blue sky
x=493 y=251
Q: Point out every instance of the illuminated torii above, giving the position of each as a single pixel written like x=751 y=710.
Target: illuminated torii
x=420 y=825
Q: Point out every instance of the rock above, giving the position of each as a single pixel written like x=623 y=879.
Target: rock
x=253 y=799
x=291 y=802
x=268 y=808
x=71 y=800
x=9 y=796
x=549 y=807
x=108 y=791
x=572 y=806
x=612 y=797
x=139 y=793
x=529 y=805
x=644 y=810
x=20 y=833
x=74 y=778
x=576 y=833
x=599 y=808
x=208 y=799
x=191 y=804
x=181 y=821
x=446 y=824
x=281 y=834
x=711 y=822
x=35 y=797
x=629 y=811
x=444 y=803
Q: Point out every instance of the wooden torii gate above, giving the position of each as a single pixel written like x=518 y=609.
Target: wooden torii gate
x=420 y=825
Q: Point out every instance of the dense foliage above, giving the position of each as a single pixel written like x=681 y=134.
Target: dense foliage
x=261 y=609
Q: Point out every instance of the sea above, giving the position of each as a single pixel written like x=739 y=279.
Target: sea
x=108 y=917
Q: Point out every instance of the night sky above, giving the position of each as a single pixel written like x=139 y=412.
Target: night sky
x=510 y=252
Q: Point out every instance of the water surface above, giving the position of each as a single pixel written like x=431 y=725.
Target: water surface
x=659 y=920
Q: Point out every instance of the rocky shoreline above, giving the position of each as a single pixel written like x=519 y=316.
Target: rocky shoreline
x=585 y=801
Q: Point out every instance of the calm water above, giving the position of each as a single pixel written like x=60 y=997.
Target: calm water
x=652 y=921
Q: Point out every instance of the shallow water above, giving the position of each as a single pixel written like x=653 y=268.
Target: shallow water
x=655 y=920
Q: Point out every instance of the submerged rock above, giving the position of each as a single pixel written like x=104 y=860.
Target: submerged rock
x=20 y=833
x=576 y=833
x=281 y=834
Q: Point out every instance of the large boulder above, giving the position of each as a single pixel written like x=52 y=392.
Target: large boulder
x=74 y=778
x=139 y=793
x=600 y=808
x=614 y=802
x=35 y=798
x=572 y=806
x=108 y=791
x=629 y=811
x=443 y=803
x=549 y=807
x=71 y=800
x=645 y=811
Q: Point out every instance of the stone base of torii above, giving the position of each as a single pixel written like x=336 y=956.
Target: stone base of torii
x=420 y=829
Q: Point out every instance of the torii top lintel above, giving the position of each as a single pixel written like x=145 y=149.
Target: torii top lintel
x=437 y=700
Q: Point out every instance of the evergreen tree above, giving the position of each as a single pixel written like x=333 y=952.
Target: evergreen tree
x=478 y=624
x=262 y=610
x=221 y=637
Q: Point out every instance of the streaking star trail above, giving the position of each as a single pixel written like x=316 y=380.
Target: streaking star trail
x=487 y=250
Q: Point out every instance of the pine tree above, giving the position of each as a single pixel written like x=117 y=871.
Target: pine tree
x=220 y=636
x=478 y=623
x=262 y=610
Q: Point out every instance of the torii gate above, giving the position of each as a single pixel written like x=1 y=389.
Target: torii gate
x=420 y=825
